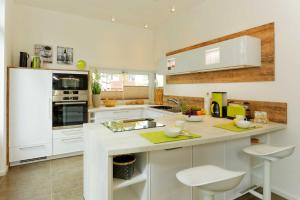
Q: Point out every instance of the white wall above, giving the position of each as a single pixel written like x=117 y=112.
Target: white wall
x=2 y=64
x=100 y=43
x=216 y=18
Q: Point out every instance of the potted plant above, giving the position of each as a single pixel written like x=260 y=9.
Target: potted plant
x=96 y=89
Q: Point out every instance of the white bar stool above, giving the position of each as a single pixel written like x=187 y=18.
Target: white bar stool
x=269 y=154
x=210 y=179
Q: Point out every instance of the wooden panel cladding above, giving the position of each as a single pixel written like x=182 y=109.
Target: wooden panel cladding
x=264 y=73
x=194 y=101
x=277 y=111
x=159 y=96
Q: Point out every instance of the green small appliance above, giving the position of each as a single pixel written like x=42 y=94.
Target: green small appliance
x=234 y=109
x=218 y=104
x=36 y=62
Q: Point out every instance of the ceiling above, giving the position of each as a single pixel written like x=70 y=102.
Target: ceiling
x=132 y=12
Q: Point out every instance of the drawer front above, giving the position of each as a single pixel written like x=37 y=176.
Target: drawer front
x=65 y=145
x=30 y=152
x=63 y=133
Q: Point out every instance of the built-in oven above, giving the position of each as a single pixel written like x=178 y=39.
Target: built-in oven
x=70 y=100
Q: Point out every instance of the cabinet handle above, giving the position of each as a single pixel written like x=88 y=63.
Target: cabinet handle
x=32 y=147
x=72 y=139
x=173 y=149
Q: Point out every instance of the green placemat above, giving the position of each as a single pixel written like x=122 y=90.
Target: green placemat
x=232 y=127
x=160 y=137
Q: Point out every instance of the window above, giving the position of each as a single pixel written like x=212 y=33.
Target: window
x=111 y=82
x=123 y=86
x=159 y=80
x=136 y=80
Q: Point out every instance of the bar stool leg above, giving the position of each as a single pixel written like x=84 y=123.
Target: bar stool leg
x=267 y=180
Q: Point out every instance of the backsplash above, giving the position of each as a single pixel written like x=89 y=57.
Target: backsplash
x=277 y=111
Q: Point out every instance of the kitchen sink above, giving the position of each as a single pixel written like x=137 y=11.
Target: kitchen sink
x=167 y=108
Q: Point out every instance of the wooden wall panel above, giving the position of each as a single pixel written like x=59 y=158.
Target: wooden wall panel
x=194 y=101
x=264 y=73
x=277 y=111
x=159 y=96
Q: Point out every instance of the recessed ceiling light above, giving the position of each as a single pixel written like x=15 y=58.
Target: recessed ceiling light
x=173 y=9
x=146 y=26
x=113 y=19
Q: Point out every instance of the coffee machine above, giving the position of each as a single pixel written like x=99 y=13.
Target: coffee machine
x=219 y=104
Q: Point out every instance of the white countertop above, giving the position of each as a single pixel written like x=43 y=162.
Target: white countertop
x=132 y=142
x=118 y=107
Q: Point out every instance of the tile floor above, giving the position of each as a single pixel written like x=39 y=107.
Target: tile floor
x=59 y=179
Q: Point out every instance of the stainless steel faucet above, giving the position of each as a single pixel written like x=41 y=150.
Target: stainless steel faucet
x=177 y=102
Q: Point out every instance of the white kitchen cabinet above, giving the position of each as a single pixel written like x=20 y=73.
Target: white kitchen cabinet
x=30 y=114
x=67 y=141
x=163 y=168
x=241 y=52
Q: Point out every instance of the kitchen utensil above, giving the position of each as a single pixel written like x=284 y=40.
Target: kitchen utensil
x=243 y=124
x=180 y=124
x=194 y=118
x=109 y=103
x=172 y=131
x=23 y=59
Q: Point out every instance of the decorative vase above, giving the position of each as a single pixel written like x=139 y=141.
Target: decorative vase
x=96 y=100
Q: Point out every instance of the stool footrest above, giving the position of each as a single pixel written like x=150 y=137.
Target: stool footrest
x=256 y=194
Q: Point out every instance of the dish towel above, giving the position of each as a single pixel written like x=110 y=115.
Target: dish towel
x=232 y=127
x=160 y=137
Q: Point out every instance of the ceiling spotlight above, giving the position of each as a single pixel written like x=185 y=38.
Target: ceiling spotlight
x=113 y=19
x=173 y=9
x=146 y=26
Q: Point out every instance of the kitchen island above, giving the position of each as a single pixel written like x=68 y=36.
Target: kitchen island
x=157 y=164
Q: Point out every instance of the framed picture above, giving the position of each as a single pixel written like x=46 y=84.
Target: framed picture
x=64 y=55
x=45 y=52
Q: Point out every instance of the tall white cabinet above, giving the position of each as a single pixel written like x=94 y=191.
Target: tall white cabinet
x=30 y=120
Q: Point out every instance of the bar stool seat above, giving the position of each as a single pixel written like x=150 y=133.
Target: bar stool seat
x=210 y=179
x=269 y=154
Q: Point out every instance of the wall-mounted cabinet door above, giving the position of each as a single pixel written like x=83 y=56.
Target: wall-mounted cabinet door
x=30 y=108
x=163 y=168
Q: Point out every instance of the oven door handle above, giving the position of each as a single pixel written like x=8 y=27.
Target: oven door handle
x=71 y=103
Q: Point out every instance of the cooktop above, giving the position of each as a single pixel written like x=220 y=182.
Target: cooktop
x=130 y=125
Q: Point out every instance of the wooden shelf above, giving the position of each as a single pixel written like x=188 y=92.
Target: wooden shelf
x=136 y=178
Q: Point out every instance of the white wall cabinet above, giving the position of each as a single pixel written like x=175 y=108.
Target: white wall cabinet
x=30 y=120
x=163 y=168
